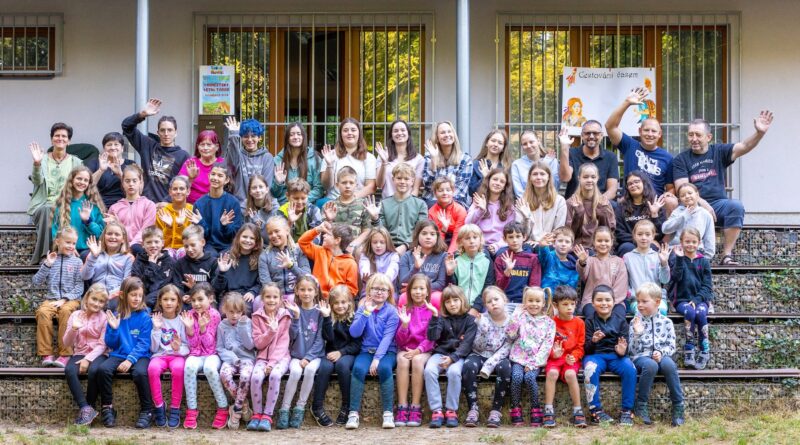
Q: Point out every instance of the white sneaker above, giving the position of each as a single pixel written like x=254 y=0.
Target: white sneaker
x=388 y=420
x=352 y=421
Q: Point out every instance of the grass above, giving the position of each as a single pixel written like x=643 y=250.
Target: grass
x=492 y=438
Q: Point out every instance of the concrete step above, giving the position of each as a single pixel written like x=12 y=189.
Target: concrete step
x=734 y=346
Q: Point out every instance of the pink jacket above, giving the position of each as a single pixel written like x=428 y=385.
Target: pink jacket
x=272 y=345
x=416 y=334
x=204 y=344
x=89 y=340
x=135 y=217
x=610 y=271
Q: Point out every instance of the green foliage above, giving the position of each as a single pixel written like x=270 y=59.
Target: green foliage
x=782 y=351
x=492 y=438
x=783 y=285
x=20 y=305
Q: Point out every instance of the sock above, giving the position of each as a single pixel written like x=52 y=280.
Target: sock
x=575 y=409
x=548 y=409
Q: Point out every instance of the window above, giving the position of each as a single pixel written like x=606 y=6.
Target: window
x=30 y=45
x=689 y=52
x=318 y=70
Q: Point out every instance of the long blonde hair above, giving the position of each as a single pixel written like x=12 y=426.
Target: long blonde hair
x=439 y=160
x=64 y=199
x=534 y=201
x=595 y=194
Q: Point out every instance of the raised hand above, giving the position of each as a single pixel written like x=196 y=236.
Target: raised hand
x=656 y=205
x=280 y=173
x=479 y=201
x=51 y=258
x=158 y=321
x=284 y=260
x=369 y=305
x=248 y=297
x=291 y=307
x=564 y=138
x=176 y=343
x=678 y=250
x=405 y=317
x=113 y=320
x=224 y=262
x=621 y=347
x=294 y=211
x=272 y=322
x=636 y=96
x=94 y=246
x=431 y=149
x=116 y=166
x=255 y=218
x=86 y=210
x=151 y=108
x=637 y=325
x=444 y=220
x=79 y=321
x=195 y=217
x=483 y=166
x=548 y=239
x=509 y=261
x=184 y=215
x=187 y=320
x=227 y=217
x=450 y=264
x=558 y=349
x=165 y=217
x=188 y=281
x=231 y=123
x=371 y=207
x=192 y=169
x=419 y=258
x=383 y=154
x=329 y=154
x=330 y=211
x=203 y=321
x=430 y=307
x=103 y=161
x=109 y=218
x=324 y=308
x=325 y=228
x=597 y=336
x=523 y=208
x=763 y=121
x=582 y=254
x=663 y=254
x=37 y=153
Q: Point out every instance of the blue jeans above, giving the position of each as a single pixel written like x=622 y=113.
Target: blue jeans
x=343 y=368
x=432 y=388
x=648 y=369
x=385 y=376
x=596 y=364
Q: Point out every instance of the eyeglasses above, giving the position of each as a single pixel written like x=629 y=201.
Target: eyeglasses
x=379 y=290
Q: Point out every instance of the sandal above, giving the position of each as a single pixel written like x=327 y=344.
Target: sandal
x=728 y=260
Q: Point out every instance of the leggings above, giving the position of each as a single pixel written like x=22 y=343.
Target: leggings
x=696 y=322
x=210 y=366
x=343 y=368
x=274 y=388
x=138 y=370
x=238 y=392
x=175 y=364
x=295 y=373
x=469 y=381
x=71 y=373
x=518 y=375
x=385 y=376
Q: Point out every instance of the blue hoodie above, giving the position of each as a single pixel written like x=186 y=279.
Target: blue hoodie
x=218 y=236
x=131 y=340
x=556 y=272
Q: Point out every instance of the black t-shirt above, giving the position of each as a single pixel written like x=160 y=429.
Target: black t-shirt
x=607 y=167
x=110 y=185
x=706 y=171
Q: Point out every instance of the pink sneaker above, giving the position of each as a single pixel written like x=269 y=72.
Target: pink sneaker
x=61 y=362
x=414 y=416
x=220 y=419
x=190 y=421
x=401 y=419
x=48 y=360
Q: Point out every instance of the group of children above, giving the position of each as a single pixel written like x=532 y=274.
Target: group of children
x=247 y=289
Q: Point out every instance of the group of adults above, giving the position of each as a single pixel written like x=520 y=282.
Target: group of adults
x=650 y=171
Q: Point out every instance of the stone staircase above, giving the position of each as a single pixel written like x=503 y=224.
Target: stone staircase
x=755 y=336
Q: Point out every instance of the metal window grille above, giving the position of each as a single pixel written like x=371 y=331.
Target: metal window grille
x=695 y=56
x=30 y=44
x=318 y=68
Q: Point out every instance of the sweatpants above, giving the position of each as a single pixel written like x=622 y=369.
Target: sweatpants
x=432 y=389
x=596 y=364
x=175 y=364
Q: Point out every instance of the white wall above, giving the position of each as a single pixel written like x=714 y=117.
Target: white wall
x=97 y=88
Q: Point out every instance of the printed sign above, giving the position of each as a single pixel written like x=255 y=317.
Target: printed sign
x=592 y=93
x=217 y=89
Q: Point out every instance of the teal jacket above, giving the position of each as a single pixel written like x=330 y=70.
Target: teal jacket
x=312 y=176
x=94 y=226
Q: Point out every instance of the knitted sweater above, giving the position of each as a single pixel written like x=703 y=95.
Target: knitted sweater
x=63 y=278
x=658 y=335
x=531 y=338
x=544 y=221
x=400 y=217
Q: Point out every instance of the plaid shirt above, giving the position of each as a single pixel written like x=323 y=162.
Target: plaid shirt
x=460 y=174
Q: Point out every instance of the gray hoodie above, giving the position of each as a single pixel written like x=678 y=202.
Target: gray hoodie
x=270 y=269
x=243 y=164
x=235 y=343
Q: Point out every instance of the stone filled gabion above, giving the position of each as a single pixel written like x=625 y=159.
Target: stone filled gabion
x=19 y=295
x=746 y=292
x=16 y=247
x=767 y=247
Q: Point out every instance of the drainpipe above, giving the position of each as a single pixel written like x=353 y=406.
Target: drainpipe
x=142 y=57
x=462 y=71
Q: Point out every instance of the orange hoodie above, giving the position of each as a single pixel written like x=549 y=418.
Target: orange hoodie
x=330 y=270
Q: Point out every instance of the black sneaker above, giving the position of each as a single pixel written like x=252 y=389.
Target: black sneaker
x=341 y=419
x=160 y=415
x=599 y=416
x=322 y=418
x=145 y=420
x=108 y=415
x=86 y=415
x=626 y=418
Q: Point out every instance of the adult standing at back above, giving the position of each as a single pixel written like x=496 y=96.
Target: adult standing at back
x=350 y=151
x=590 y=151
x=162 y=159
x=705 y=165
x=50 y=172
x=399 y=149
x=444 y=157
x=296 y=160
x=645 y=154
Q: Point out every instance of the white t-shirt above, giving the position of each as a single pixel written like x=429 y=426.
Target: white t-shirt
x=417 y=164
x=365 y=170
